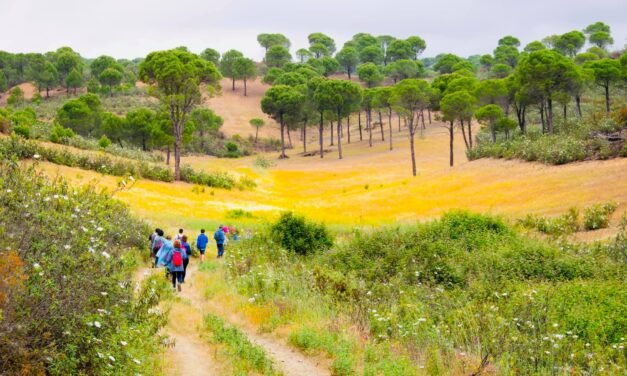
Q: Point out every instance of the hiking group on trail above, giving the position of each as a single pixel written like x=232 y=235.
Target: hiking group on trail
x=175 y=254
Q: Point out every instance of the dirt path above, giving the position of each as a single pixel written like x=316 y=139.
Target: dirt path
x=191 y=354
x=194 y=355
x=289 y=361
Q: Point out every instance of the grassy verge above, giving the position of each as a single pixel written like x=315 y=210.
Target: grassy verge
x=442 y=296
x=15 y=147
x=245 y=357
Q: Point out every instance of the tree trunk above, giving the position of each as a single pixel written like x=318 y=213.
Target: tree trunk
x=451 y=134
x=47 y=92
x=470 y=132
x=202 y=139
x=520 y=119
x=413 y=153
x=578 y=102
x=399 y=121
x=361 y=137
x=120 y=142
x=233 y=84
x=369 y=125
x=283 y=155
x=390 y=125
x=464 y=134
x=381 y=126
x=305 y=137
x=429 y=111
x=144 y=144
x=178 y=138
x=565 y=113
x=245 y=92
x=422 y=119
x=348 y=71
x=542 y=117
x=549 y=117
x=339 y=135
x=289 y=137
x=321 y=135
x=348 y=128
x=331 y=121
x=607 y=98
x=167 y=158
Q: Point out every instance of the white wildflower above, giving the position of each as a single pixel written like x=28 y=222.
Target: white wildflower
x=103 y=293
x=111 y=358
x=97 y=324
x=36 y=266
x=136 y=361
x=99 y=229
x=123 y=343
x=36 y=156
x=9 y=191
x=105 y=254
x=67 y=246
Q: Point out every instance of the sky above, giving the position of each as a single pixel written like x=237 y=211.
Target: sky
x=133 y=28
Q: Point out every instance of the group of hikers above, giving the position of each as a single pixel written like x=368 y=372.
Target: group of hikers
x=174 y=254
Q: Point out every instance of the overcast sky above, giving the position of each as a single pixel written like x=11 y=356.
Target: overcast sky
x=132 y=28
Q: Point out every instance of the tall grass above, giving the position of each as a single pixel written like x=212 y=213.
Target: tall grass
x=448 y=294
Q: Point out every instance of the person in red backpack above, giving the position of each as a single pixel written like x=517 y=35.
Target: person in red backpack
x=174 y=261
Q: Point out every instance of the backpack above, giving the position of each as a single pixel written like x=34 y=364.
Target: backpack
x=177 y=257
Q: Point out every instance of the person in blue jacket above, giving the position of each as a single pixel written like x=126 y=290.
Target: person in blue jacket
x=201 y=244
x=188 y=253
x=220 y=238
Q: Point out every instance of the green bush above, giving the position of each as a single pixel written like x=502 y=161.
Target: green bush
x=565 y=224
x=104 y=142
x=61 y=135
x=22 y=130
x=216 y=179
x=27 y=149
x=571 y=142
x=298 y=235
x=70 y=307
x=598 y=216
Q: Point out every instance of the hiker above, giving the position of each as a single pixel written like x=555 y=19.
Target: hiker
x=188 y=253
x=235 y=235
x=220 y=239
x=179 y=236
x=173 y=259
x=163 y=252
x=156 y=244
x=201 y=244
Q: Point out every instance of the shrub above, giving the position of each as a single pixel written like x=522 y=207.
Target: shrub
x=263 y=162
x=22 y=130
x=216 y=179
x=16 y=97
x=61 y=135
x=232 y=151
x=565 y=224
x=238 y=214
x=298 y=235
x=104 y=142
x=598 y=216
x=77 y=312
